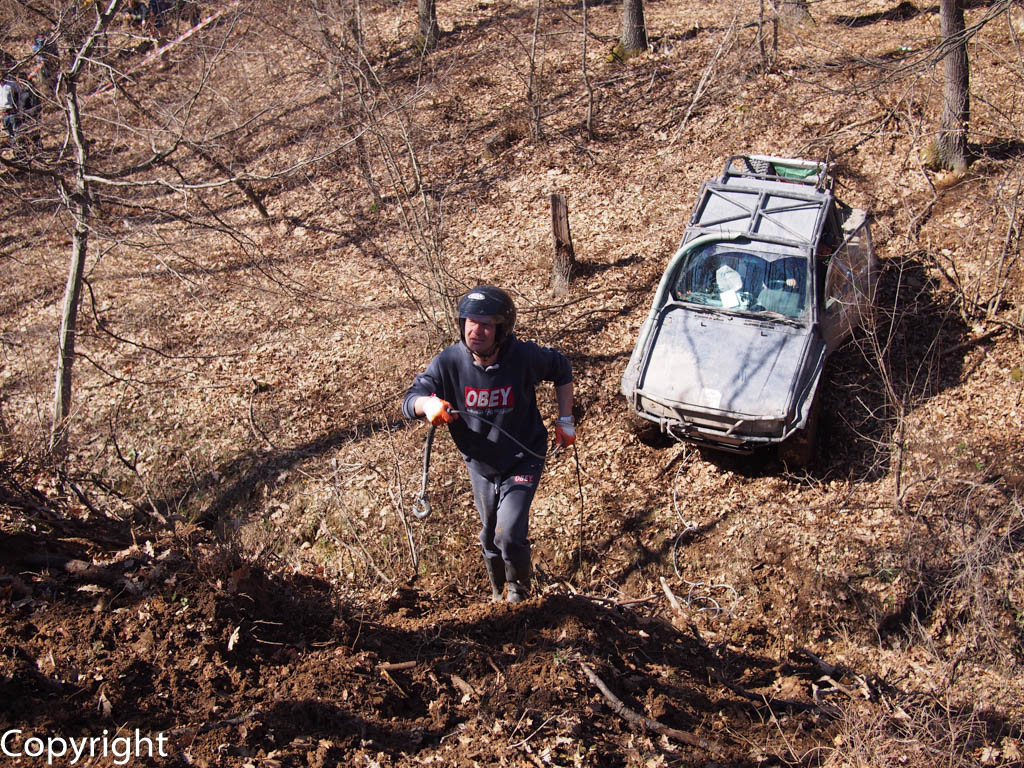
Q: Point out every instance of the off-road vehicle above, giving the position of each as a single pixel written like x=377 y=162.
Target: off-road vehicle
x=772 y=275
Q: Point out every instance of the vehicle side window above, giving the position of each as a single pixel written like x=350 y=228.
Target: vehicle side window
x=839 y=287
x=858 y=250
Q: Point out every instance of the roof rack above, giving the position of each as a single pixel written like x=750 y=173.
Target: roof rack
x=770 y=168
x=765 y=198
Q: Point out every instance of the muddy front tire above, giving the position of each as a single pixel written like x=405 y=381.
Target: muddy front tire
x=797 y=451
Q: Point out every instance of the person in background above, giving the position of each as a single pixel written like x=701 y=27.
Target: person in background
x=19 y=107
x=45 y=65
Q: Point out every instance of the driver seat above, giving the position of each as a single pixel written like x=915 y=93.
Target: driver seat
x=788 y=302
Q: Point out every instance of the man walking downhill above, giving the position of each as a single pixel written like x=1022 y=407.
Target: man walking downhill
x=484 y=389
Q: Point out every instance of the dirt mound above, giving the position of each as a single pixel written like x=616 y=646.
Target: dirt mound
x=220 y=662
x=235 y=663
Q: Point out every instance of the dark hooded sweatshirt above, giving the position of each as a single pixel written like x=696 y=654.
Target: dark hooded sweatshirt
x=503 y=393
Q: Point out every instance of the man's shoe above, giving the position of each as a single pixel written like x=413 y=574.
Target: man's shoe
x=496 y=575
x=517 y=577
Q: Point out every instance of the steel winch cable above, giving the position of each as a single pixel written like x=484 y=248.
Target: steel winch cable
x=701 y=592
x=507 y=434
x=421 y=505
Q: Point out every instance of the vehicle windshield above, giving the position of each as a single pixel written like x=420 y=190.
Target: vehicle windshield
x=723 y=276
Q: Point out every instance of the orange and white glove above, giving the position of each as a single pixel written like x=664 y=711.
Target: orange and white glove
x=437 y=411
x=565 y=431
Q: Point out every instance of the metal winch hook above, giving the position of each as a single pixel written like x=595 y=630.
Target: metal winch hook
x=421 y=506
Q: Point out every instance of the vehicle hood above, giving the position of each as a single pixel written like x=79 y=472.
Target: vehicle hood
x=724 y=362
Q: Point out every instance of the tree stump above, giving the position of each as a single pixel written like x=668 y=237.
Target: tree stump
x=565 y=259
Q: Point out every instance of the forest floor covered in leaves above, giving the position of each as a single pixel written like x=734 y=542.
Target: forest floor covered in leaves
x=228 y=559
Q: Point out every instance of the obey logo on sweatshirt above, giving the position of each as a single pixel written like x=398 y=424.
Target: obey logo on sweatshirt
x=499 y=397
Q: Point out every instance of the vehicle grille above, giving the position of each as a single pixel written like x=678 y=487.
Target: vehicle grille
x=720 y=427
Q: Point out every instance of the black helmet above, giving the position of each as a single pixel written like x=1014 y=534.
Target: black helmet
x=488 y=301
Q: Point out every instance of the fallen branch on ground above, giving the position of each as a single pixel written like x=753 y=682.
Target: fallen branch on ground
x=672 y=599
x=645 y=722
x=772 y=703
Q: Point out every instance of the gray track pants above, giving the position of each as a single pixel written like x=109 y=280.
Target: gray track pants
x=503 y=501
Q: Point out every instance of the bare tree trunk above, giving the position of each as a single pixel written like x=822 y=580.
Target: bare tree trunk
x=952 y=144
x=767 y=57
x=586 y=79
x=354 y=29
x=362 y=153
x=345 y=55
x=565 y=258
x=429 y=32
x=78 y=205
x=634 y=29
x=532 y=85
